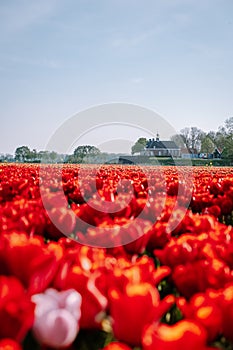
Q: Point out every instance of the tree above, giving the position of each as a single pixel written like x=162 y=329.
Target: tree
x=22 y=153
x=179 y=140
x=81 y=152
x=212 y=136
x=53 y=156
x=43 y=156
x=229 y=126
x=207 y=145
x=33 y=156
x=223 y=138
x=192 y=138
x=184 y=134
x=139 y=145
x=196 y=136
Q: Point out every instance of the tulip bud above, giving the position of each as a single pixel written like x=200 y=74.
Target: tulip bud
x=57 y=317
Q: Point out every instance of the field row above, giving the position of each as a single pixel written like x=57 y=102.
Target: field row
x=116 y=257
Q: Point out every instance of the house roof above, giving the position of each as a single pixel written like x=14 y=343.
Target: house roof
x=157 y=144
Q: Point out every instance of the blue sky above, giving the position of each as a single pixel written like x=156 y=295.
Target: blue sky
x=59 y=57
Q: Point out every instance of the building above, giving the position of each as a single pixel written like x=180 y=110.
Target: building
x=158 y=148
x=188 y=153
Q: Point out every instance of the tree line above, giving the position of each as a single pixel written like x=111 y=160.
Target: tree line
x=81 y=153
x=196 y=140
x=192 y=138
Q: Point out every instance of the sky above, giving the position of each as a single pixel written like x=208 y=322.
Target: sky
x=60 y=57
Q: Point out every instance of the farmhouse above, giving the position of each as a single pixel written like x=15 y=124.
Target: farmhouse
x=158 y=148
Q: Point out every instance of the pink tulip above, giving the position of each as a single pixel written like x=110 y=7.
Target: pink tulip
x=57 y=316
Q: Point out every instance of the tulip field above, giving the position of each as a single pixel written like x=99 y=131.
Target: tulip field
x=116 y=257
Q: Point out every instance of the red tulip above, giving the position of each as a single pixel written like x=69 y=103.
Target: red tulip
x=133 y=308
x=205 y=311
x=9 y=344
x=177 y=337
x=16 y=309
x=30 y=260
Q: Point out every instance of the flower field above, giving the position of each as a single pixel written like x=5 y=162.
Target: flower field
x=116 y=257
